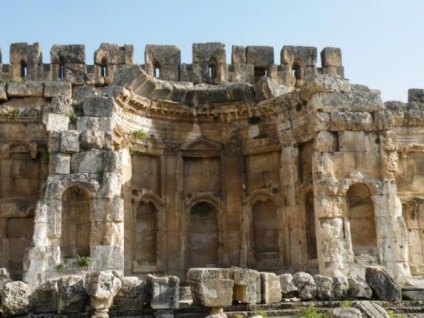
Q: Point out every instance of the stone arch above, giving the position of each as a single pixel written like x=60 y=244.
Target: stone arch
x=361 y=220
x=55 y=190
x=23 y=69
x=149 y=219
x=262 y=231
x=204 y=225
x=61 y=70
x=104 y=67
x=76 y=223
x=213 y=70
x=157 y=66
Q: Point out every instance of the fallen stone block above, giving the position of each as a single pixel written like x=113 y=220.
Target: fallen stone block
x=371 y=309
x=247 y=285
x=358 y=288
x=164 y=292
x=102 y=288
x=345 y=313
x=211 y=287
x=15 y=298
x=45 y=298
x=271 y=288
x=306 y=285
x=341 y=287
x=72 y=296
x=325 y=287
x=382 y=284
x=288 y=287
x=132 y=295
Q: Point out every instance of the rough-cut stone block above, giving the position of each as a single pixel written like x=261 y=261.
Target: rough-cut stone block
x=204 y=52
x=69 y=141
x=341 y=287
x=59 y=164
x=238 y=54
x=56 y=122
x=72 y=54
x=304 y=55
x=164 y=292
x=15 y=298
x=98 y=106
x=114 y=54
x=416 y=95
x=382 y=284
x=306 y=285
x=52 y=89
x=331 y=56
x=95 y=123
x=102 y=288
x=325 y=142
x=371 y=309
x=383 y=120
x=53 y=142
x=87 y=162
x=412 y=293
x=45 y=297
x=110 y=257
x=345 y=313
x=352 y=141
x=211 y=287
x=358 y=288
x=260 y=56
x=350 y=121
x=288 y=288
x=163 y=55
x=3 y=95
x=325 y=288
x=360 y=99
x=132 y=295
x=72 y=297
x=92 y=139
x=247 y=285
x=271 y=288
x=267 y=88
x=243 y=73
x=25 y=89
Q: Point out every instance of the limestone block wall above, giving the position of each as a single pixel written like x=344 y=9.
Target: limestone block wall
x=158 y=168
x=209 y=65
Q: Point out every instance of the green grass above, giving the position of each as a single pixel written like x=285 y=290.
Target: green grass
x=84 y=261
x=312 y=312
x=139 y=134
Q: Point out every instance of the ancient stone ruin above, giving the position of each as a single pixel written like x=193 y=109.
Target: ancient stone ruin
x=271 y=164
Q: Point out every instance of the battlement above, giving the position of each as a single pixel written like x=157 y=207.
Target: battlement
x=209 y=65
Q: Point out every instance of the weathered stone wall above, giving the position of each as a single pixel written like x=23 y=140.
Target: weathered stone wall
x=157 y=168
x=209 y=65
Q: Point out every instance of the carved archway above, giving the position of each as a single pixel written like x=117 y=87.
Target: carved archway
x=361 y=220
x=197 y=207
x=149 y=221
x=268 y=255
x=76 y=224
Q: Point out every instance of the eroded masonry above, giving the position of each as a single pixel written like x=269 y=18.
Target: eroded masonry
x=271 y=164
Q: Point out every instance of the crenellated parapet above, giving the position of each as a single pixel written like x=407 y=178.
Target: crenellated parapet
x=209 y=65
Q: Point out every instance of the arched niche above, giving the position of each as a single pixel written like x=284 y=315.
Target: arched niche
x=203 y=235
x=76 y=224
x=265 y=233
x=148 y=233
x=204 y=223
x=262 y=232
x=361 y=220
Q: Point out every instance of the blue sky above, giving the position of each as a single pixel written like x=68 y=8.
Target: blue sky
x=381 y=40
